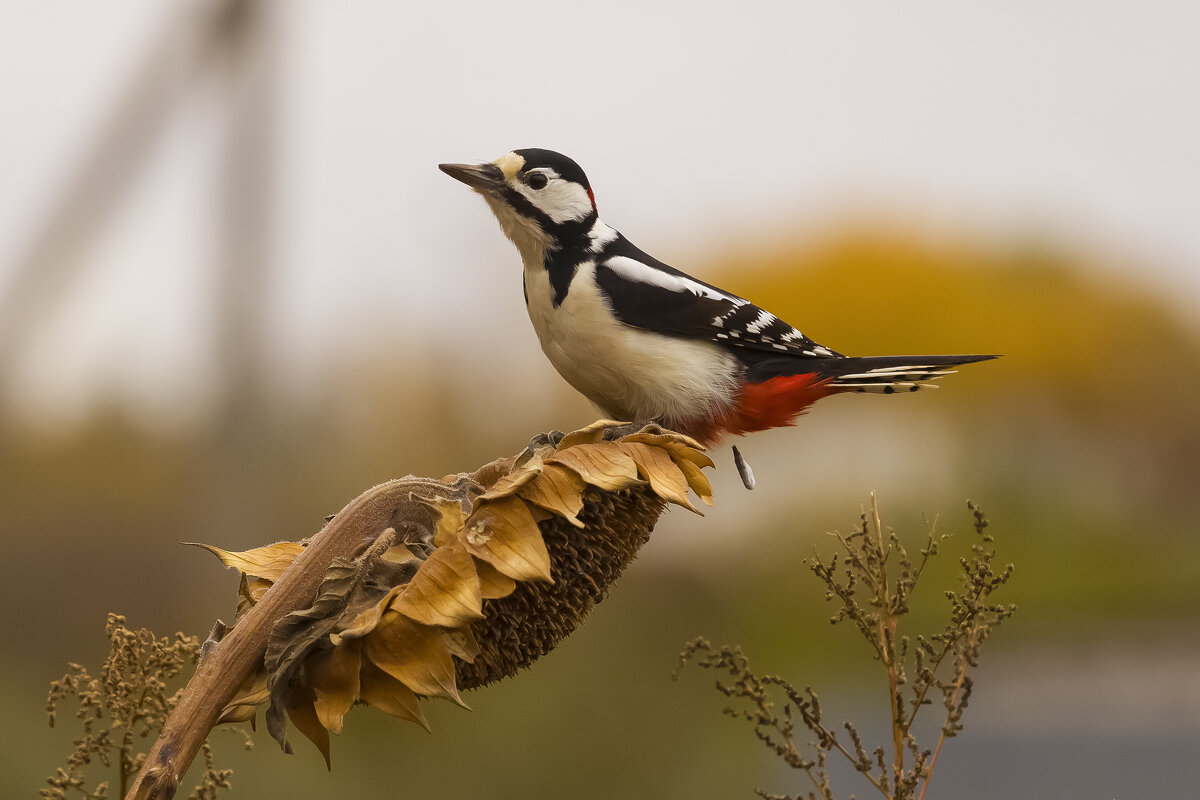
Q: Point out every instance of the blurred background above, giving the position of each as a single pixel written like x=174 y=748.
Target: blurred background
x=235 y=291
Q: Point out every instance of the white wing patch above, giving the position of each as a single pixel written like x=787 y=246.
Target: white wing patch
x=764 y=319
x=633 y=270
x=601 y=235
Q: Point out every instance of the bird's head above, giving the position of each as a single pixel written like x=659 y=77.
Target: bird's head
x=542 y=198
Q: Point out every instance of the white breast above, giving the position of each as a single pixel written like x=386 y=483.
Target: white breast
x=630 y=373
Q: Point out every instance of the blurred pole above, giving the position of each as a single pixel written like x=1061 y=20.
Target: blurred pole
x=238 y=41
x=111 y=163
x=238 y=477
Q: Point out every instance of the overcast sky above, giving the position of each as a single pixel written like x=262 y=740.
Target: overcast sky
x=698 y=124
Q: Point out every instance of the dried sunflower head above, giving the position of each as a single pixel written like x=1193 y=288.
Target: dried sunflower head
x=511 y=561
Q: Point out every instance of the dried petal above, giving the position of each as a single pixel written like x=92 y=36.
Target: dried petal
x=445 y=590
x=559 y=490
x=400 y=554
x=450 y=521
x=493 y=584
x=681 y=452
x=256 y=588
x=378 y=689
x=680 y=447
x=696 y=479
x=262 y=562
x=502 y=532
x=239 y=712
x=302 y=714
x=510 y=483
x=663 y=439
x=461 y=643
x=249 y=593
x=414 y=654
x=332 y=674
x=250 y=695
x=656 y=466
x=590 y=435
x=604 y=464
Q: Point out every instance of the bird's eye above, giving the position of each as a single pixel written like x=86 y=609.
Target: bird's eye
x=537 y=180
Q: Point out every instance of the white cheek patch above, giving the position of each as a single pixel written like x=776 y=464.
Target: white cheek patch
x=634 y=270
x=560 y=200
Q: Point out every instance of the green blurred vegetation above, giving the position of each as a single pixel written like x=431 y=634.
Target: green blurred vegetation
x=1081 y=444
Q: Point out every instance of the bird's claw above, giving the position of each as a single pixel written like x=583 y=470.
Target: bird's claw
x=548 y=439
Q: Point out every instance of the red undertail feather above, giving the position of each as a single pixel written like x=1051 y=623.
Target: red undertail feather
x=777 y=401
x=773 y=403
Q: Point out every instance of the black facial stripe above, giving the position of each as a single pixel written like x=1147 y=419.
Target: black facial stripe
x=525 y=208
x=566 y=168
x=571 y=246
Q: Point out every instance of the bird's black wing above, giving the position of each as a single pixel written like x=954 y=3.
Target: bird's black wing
x=651 y=295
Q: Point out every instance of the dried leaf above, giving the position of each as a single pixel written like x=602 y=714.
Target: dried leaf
x=302 y=714
x=378 y=689
x=559 y=490
x=696 y=479
x=604 y=464
x=332 y=674
x=267 y=562
x=343 y=591
x=510 y=483
x=414 y=654
x=502 y=532
x=493 y=584
x=656 y=466
x=590 y=435
x=445 y=590
x=366 y=620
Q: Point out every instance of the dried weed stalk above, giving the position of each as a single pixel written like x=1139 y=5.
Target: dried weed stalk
x=127 y=703
x=870 y=580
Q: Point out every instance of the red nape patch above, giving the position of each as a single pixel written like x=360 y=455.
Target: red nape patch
x=774 y=403
x=592 y=197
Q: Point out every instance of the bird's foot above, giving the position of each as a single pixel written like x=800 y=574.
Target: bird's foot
x=547 y=439
x=617 y=431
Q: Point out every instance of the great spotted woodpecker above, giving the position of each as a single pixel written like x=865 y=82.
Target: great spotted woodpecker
x=644 y=341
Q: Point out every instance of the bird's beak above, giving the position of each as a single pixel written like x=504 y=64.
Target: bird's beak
x=484 y=177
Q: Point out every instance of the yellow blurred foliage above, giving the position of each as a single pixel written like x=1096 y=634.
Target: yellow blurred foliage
x=1101 y=349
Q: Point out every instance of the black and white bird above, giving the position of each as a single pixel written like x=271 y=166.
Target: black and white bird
x=645 y=341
